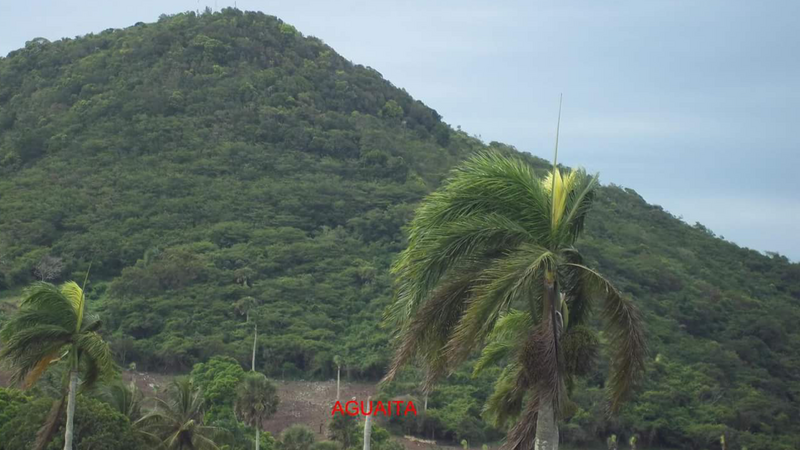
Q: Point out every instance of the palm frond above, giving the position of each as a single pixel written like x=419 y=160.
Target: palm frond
x=579 y=347
x=578 y=298
x=505 y=403
x=24 y=350
x=505 y=339
x=37 y=371
x=578 y=203
x=430 y=329
x=95 y=357
x=74 y=294
x=91 y=322
x=625 y=331
x=497 y=198
x=427 y=260
x=523 y=434
x=516 y=277
x=541 y=366
x=127 y=400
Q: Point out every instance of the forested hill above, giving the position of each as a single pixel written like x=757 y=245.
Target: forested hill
x=221 y=168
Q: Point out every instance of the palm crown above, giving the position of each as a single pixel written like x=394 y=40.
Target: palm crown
x=491 y=256
x=177 y=423
x=256 y=400
x=50 y=326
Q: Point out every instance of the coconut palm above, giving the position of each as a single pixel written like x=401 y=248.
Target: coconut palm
x=256 y=400
x=491 y=255
x=51 y=326
x=177 y=423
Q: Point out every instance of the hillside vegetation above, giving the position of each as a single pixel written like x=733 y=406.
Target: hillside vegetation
x=220 y=170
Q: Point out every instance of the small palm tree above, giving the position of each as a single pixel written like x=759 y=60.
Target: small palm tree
x=256 y=400
x=127 y=400
x=491 y=255
x=244 y=306
x=177 y=423
x=50 y=326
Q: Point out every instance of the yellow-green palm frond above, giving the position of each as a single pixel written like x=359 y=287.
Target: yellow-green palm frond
x=559 y=187
x=74 y=294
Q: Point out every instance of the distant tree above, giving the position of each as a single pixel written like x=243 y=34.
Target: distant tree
x=52 y=325
x=48 y=268
x=256 y=400
x=296 y=437
x=344 y=430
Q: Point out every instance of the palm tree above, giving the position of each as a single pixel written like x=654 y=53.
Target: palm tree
x=244 y=306
x=127 y=400
x=177 y=423
x=491 y=255
x=50 y=326
x=256 y=400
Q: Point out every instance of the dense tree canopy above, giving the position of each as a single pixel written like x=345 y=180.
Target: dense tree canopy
x=207 y=159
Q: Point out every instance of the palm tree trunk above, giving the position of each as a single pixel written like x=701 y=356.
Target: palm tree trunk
x=546 y=423
x=546 y=429
x=368 y=426
x=338 y=370
x=255 y=339
x=258 y=438
x=73 y=387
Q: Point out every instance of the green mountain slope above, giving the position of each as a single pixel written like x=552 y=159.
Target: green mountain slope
x=207 y=163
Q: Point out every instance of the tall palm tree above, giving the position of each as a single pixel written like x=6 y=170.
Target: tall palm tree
x=177 y=423
x=256 y=400
x=491 y=255
x=50 y=326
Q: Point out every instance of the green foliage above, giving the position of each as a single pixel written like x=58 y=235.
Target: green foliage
x=296 y=437
x=97 y=425
x=345 y=430
x=325 y=445
x=218 y=379
x=11 y=400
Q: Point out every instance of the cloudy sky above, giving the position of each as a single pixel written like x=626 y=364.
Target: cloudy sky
x=695 y=105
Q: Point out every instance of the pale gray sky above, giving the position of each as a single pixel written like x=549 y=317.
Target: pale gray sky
x=695 y=105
